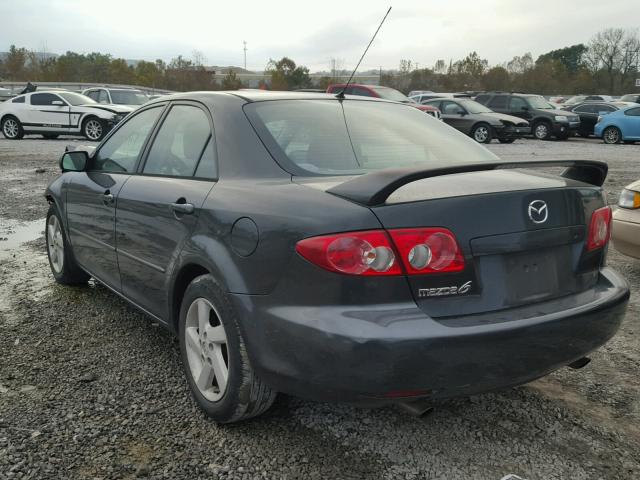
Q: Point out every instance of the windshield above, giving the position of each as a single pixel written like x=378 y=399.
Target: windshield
x=75 y=98
x=392 y=94
x=540 y=103
x=128 y=97
x=329 y=137
x=474 y=107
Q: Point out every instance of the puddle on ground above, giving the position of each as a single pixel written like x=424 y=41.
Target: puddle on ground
x=14 y=233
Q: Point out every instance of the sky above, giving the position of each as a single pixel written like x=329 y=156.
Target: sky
x=311 y=33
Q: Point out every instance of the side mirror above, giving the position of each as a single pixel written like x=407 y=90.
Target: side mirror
x=59 y=103
x=75 y=161
x=462 y=113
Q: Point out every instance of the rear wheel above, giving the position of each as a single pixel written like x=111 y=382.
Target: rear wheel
x=542 y=131
x=481 y=133
x=64 y=268
x=611 y=135
x=214 y=356
x=93 y=129
x=12 y=128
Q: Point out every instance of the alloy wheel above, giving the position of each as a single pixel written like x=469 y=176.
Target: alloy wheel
x=206 y=346
x=55 y=243
x=541 y=131
x=611 y=135
x=481 y=134
x=10 y=128
x=93 y=130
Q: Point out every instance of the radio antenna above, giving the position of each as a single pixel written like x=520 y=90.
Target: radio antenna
x=341 y=94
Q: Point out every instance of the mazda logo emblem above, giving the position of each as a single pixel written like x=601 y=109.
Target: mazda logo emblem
x=538 y=211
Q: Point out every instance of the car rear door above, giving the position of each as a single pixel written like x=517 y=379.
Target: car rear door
x=159 y=208
x=91 y=196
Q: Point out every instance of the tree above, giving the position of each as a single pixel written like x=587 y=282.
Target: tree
x=15 y=63
x=520 y=64
x=285 y=75
x=609 y=50
x=570 y=57
x=497 y=78
x=231 y=81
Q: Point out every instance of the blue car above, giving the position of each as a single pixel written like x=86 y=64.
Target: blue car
x=623 y=125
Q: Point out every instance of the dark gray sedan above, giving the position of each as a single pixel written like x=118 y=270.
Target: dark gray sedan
x=336 y=249
x=479 y=122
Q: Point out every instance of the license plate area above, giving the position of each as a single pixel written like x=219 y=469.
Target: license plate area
x=534 y=275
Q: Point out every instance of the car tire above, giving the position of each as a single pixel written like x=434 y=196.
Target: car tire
x=542 y=130
x=50 y=136
x=63 y=265
x=481 y=133
x=94 y=129
x=611 y=135
x=506 y=140
x=207 y=355
x=12 y=128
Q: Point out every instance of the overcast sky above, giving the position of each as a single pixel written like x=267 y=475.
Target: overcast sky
x=309 y=32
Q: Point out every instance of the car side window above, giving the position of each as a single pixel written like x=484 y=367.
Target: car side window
x=584 y=109
x=44 y=98
x=499 y=101
x=633 y=112
x=92 y=94
x=103 y=97
x=121 y=151
x=207 y=167
x=516 y=104
x=604 y=108
x=18 y=100
x=361 y=92
x=482 y=99
x=179 y=143
x=451 y=108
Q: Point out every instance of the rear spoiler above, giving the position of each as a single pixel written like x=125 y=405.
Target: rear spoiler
x=374 y=188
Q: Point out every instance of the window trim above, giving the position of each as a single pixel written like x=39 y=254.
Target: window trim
x=142 y=161
x=162 y=105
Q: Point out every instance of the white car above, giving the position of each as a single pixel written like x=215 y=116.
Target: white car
x=117 y=96
x=53 y=113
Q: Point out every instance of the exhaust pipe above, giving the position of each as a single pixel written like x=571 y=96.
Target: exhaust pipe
x=581 y=362
x=417 y=408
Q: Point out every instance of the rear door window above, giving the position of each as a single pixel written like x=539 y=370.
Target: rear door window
x=498 y=102
x=517 y=104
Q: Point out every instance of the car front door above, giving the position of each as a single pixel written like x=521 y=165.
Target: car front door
x=588 y=116
x=158 y=209
x=456 y=116
x=47 y=112
x=518 y=107
x=91 y=196
x=631 y=125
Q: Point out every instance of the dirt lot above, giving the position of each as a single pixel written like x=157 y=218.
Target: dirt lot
x=90 y=388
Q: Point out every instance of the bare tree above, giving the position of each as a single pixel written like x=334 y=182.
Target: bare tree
x=606 y=52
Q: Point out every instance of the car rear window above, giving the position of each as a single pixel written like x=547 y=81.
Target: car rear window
x=329 y=137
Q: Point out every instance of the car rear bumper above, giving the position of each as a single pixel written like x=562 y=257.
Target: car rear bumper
x=626 y=236
x=381 y=354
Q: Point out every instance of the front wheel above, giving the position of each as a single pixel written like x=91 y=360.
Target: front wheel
x=12 y=128
x=481 y=133
x=611 y=135
x=94 y=129
x=542 y=131
x=214 y=356
x=64 y=268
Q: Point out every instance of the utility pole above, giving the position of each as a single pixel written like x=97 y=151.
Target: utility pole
x=245 y=54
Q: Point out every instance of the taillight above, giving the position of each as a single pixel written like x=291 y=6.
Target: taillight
x=356 y=253
x=599 y=228
x=421 y=250
x=428 y=250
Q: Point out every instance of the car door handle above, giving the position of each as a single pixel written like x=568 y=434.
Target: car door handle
x=107 y=198
x=185 y=208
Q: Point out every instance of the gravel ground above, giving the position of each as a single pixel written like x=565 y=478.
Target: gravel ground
x=90 y=388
